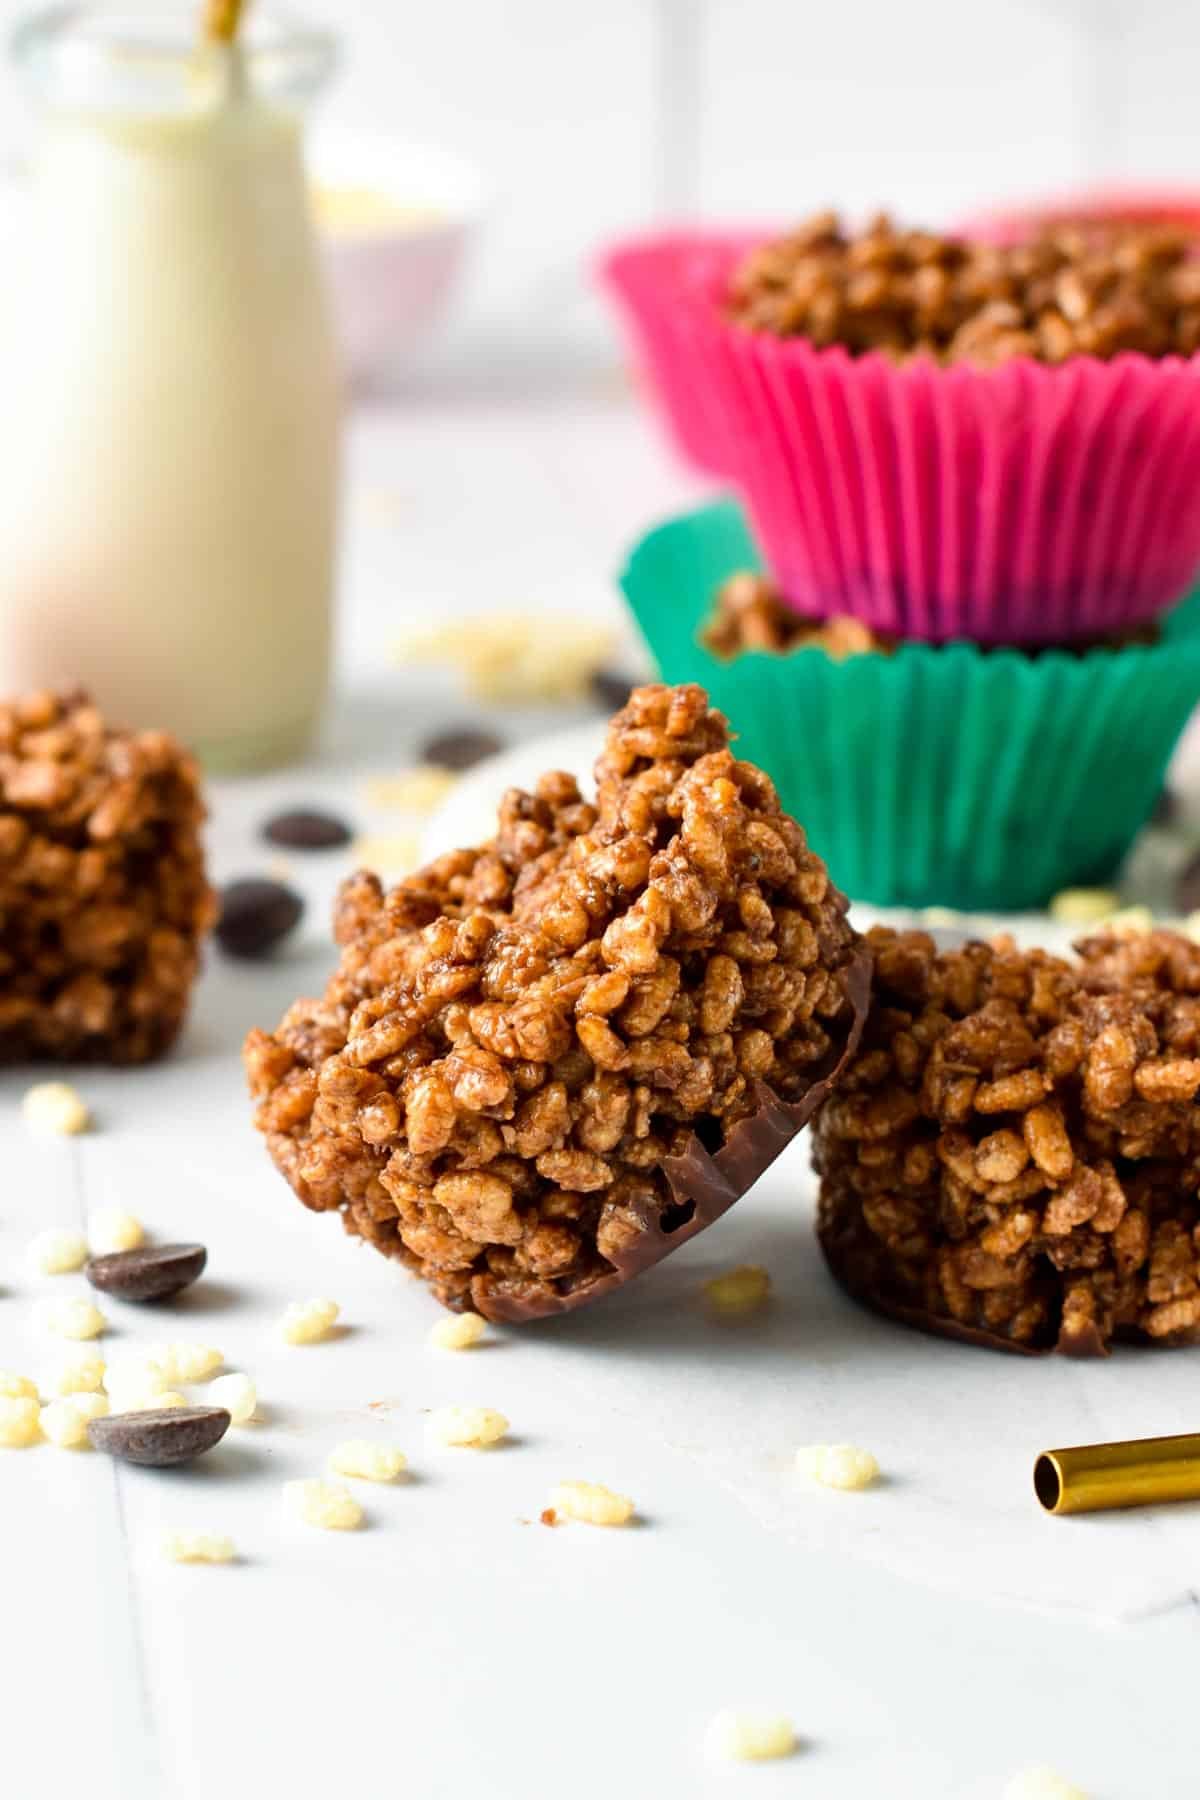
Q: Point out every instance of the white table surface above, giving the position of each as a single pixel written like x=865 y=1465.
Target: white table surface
x=928 y=1638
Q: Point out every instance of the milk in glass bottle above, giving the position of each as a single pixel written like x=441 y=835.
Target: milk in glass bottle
x=169 y=438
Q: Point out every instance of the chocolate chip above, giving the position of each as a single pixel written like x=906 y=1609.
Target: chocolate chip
x=611 y=689
x=160 y=1439
x=302 y=830
x=255 y=916
x=460 y=749
x=150 y=1273
x=1187 y=885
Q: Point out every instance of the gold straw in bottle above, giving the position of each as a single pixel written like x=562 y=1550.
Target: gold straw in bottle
x=221 y=20
x=1096 y=1477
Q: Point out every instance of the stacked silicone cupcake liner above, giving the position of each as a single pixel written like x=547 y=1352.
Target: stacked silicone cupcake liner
x=1022 y=504
x=987 y=517
x=983 y=780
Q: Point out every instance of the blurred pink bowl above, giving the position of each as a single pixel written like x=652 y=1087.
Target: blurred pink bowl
x=1131 y=206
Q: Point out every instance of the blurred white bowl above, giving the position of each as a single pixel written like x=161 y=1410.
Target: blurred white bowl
x=396 y=221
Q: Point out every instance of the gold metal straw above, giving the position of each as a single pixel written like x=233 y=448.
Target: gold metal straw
x=1095 y=1477
x=221 y=20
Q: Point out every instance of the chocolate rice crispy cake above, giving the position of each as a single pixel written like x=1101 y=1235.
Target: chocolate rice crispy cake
x=104 y=902
x=544 y=1063
x=1014 y=1155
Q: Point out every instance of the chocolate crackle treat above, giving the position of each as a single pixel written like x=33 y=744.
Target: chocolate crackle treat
x=749 y=613
x=544 y=1063
x=1013 y=1157
x=103 y=896
x=1096 y=289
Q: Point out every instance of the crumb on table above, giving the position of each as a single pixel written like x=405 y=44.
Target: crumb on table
x=466 y=1427
x=198 y=1547
x=55 y=1109
x=77 y=1319
x=368 y=1461
x=81 y=1374
x=843 y=1466
x=738 y=1291
x=309 y=1321
x=750 y=1737
x=590 y=1503
x=57 y=1252
x=112 y=1230
x=457 y=1331
x=20 y=1423
x=325 y=1504
x=237 y=1394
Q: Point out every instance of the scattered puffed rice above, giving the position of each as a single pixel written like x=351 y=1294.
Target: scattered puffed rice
x=164 y=1400
x=16 y=1387
x=469 y=1427
x=747 y=1737
x=368 y=1461
x=308 y=1321
x=90 y=1406
x=324 y=1503
x=19 y=1421
x=1084 y=906
x=237 y=1394
x=739 y=1291
x=197 y=1547
x=133 y=1386
x=84 y=1374
x=515 y=656
x=590 y=1503
x=64 y=1424
x=934 y=916
x=57 y=1252
x=457 y=1331
x=1130 y=921
x=77 y=1319
x=54 y=1108
x=842 y=1466
x=419 y=791
x=112 y=1230
x=398 y=852
x=1042 y=1784
x=184 y=1362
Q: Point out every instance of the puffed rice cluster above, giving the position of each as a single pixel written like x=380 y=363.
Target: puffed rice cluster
x=1014 y=1152
x=103 y=897
x=750 y=613
x=1095 y=289
x=519 y=1036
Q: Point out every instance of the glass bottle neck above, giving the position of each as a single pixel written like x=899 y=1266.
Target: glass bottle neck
x=150 y=60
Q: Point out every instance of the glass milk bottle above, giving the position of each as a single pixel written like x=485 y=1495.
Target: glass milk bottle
x=169 y=435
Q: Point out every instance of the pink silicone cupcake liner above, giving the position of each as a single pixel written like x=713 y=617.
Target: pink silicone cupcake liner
x=1021 y=504
x=649 y=279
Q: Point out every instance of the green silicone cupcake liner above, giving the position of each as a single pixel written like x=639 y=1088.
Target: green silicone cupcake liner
x=982 y=780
